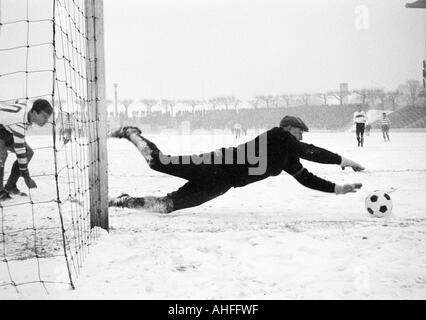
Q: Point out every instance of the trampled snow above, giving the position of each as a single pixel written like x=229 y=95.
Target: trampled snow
x=273 y=239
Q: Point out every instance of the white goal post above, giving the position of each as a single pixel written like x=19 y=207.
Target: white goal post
x=96 y=65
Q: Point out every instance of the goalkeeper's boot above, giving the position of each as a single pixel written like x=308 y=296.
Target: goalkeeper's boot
x=121 y=201
x=14 y=190
x=4 y=195
x=123 y=132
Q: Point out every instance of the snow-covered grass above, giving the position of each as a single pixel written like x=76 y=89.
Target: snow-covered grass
x=273 y=239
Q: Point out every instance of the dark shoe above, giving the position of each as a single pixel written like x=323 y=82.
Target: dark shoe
x=4 y=195
x=121 y=201
x=123 y=132
x=14 y=191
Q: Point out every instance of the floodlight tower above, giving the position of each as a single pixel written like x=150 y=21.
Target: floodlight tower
x=420 y=4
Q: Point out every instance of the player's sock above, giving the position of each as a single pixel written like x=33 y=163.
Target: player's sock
x=126 y=201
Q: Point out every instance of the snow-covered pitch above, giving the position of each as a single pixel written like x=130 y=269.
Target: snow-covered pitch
x=273 y=239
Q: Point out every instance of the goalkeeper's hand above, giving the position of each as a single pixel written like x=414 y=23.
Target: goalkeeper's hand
x=346 y=188
x=28 y=181
x=349 y=163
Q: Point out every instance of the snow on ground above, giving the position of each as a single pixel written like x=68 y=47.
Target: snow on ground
x=273 y=239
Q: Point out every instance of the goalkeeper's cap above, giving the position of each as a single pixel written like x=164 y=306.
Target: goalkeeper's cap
x=294 y=122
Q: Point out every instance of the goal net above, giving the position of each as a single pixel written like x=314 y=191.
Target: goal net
x=53 y=50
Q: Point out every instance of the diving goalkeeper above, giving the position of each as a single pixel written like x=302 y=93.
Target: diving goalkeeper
x=210 y=175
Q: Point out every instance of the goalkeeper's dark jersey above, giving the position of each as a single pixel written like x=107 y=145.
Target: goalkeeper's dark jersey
x=283 y=153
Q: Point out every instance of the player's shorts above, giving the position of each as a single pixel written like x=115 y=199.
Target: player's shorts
x=360 y=127
x=385 y=128
x=6 y=136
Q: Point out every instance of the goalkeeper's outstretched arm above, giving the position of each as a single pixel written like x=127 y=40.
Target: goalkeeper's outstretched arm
x=309 y=180
x=312 y=153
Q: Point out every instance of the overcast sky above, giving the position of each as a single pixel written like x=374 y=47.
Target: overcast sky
x=181 y=49
x=204 y=48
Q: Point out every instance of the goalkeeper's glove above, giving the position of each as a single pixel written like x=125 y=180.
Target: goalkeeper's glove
x=346 y=188
x=28 y=181
x=349 y=163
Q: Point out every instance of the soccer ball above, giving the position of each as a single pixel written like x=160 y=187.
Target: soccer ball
x=378 y=204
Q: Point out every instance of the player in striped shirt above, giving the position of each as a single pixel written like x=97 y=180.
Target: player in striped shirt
x=360 y=118
x=14 y=122
x=385 y=126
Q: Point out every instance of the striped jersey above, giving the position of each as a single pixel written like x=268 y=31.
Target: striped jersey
x=360 y=117
x=14 y=118
x=385 y=122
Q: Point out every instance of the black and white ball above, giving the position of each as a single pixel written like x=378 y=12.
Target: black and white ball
x=379 y=204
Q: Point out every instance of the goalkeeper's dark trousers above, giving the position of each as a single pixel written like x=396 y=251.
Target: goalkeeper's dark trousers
x=205 y=181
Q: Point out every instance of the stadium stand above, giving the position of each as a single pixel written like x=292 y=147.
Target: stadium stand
x=407 y=117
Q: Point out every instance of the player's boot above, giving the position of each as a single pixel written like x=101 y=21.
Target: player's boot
x=4 y=195
x=121 y=201
x=126 y=201
x=14 y=191
x=123 y=132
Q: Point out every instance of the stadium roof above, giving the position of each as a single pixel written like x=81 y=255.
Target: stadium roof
x=417 y=4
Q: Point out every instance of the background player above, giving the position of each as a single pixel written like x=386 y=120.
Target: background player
x=385 y=122
x=237 y=130
x=360 y=118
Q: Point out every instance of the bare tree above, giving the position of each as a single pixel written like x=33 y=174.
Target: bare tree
x=393 y=97
x=214 y=102
x=339 y=95
x=268 y=99
x=126 y=103
x=410 y=91
x=363 y=95
x=287 y=98
x=234 y=102
x=323 y=96
x=193 y=103
x=276 y=101
x=254 y=102
x=305 y=98
x=382 y=96
x=226 y=101
x=148 y=103
x=374 y=95
x=169 y=105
